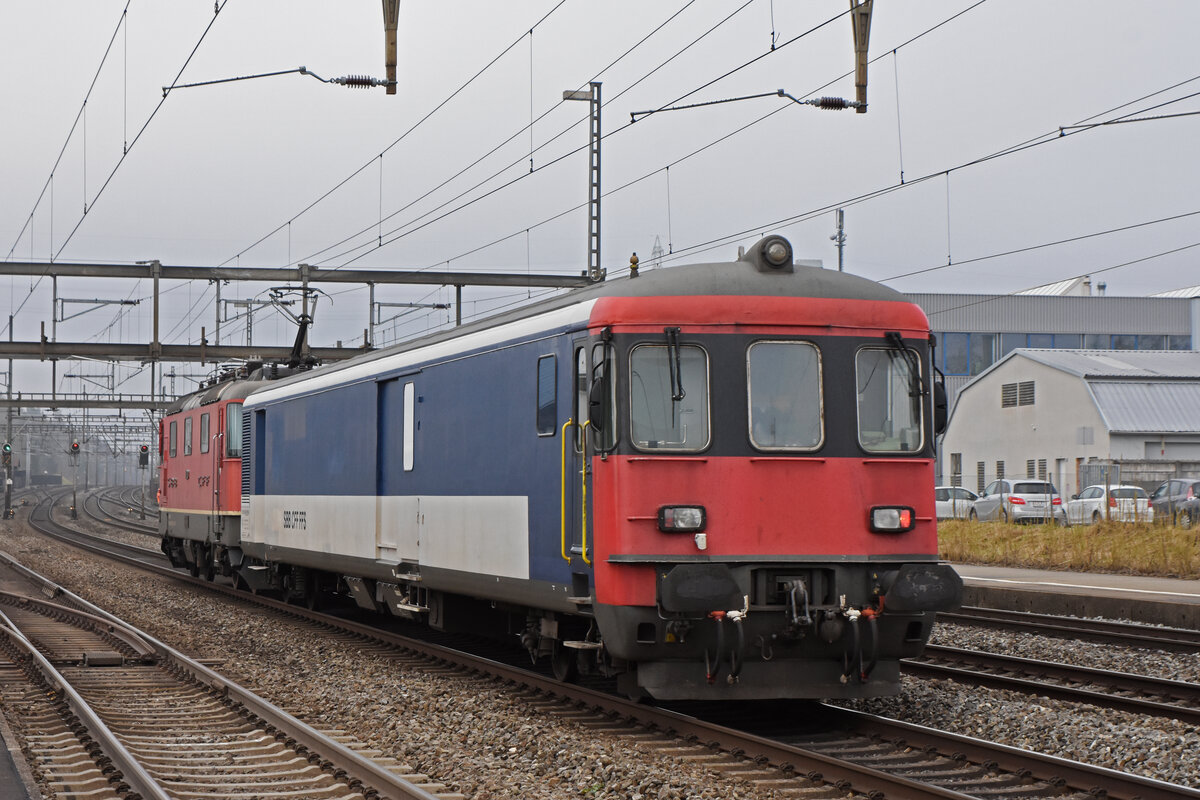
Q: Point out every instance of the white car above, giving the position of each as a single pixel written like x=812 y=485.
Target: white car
x=1123 y=504
x=953 y=502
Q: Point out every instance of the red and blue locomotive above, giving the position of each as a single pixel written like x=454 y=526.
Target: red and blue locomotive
x=711 y=480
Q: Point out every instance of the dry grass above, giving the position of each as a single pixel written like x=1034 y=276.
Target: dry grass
x=1131 y=548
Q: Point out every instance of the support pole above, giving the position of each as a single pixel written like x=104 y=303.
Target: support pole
x=8 y=435
x=391 y=16
x=860 y=20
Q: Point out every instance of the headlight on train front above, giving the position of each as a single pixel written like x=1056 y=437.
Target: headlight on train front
x=892 y=519
x=681 y=519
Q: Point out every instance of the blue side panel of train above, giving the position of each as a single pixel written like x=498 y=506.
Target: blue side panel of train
x=345 y=439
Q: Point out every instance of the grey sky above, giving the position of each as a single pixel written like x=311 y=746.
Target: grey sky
x=219 y=167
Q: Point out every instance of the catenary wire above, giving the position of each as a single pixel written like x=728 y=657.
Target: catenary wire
x=518 y=133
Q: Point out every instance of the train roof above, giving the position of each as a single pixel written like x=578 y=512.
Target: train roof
x=750 y=275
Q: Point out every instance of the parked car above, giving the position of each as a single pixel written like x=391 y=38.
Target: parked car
x=1123 y=504
x=1019 y=501
x=953 y=502
x=1170 y=496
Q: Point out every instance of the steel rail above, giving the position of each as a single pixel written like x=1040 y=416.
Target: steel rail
x=375 y=777
x=974 y=667
x=132 y=772
x=788 y=757
x=1103 y=631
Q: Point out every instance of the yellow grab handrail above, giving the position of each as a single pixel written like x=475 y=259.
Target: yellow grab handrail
x=583 y=470
x=563 y=491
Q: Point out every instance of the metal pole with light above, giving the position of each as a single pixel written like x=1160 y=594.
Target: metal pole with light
x=595 y=273
x=839 y=238
x=74 y=480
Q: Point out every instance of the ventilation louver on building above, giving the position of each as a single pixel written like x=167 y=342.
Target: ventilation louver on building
x=1017 y=394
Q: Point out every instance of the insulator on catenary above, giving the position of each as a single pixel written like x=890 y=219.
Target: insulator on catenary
x=359 y=81
x=832 y=103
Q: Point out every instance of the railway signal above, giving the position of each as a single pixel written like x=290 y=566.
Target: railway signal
x=6 y=454
x=74 y=448
x=144 y=456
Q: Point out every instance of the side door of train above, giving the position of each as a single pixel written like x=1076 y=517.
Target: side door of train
x=588 y=428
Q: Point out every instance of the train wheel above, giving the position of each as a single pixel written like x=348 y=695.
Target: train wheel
x=209 y=569
x=312 y=596
x=565 y=663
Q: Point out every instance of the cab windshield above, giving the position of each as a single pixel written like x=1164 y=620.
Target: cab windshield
x=889 y=401
x=668 y=397
x=785 y=395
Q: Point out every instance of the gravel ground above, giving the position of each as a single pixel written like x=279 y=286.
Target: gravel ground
x=479 y=740
x=466 y=733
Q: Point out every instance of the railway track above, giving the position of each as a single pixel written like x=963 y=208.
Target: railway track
x=1178 y=640
x=108 y=506
x=816 y=750
x=1136 y=694
x=108 y=710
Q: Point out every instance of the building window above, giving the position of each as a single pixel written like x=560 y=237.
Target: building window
x=956 y=352
x=980 y=476
x=1179 y=342
x=1010 y=342
x=1029 y=467
x=1152 y=342
x=1041 y=469
x=956 y=469
x=1124 y=341
x=968 y=353
x=1043 y=340
x=1096 y=341
x=1085 y=434
x=999 y=470
x=1068 y=341
x=983 y=351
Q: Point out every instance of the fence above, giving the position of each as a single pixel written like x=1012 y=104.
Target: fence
x=1071 y=478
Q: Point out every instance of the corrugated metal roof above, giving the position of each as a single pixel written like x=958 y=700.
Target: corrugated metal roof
x=999 y=313
x=1130 y=364
x=1144 y=407
x=1071 y=286
x=1191 y=291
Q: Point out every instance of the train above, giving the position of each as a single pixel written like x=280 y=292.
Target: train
x=708 y=481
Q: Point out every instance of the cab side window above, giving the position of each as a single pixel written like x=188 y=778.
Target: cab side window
x=547 y=395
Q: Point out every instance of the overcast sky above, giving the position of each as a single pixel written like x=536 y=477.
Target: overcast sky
x=228 y=174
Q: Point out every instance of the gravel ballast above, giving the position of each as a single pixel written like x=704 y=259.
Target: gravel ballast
x=477 y=738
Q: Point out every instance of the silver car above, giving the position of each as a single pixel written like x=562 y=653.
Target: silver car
x=953 y=502
x=1019 y=501
x=1122 y=504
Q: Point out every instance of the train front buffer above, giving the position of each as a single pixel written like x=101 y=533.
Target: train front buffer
x=768 y=596
x=764 y=630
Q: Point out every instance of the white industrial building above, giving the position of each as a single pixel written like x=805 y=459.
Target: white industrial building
x=1061 y=413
